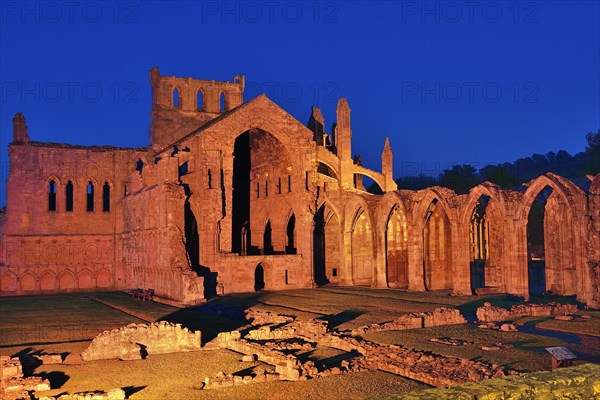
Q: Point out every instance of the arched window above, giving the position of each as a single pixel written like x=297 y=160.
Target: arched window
x=52 y=196
x=69 y=196
x=222 y=101
x=139 y=165
x=106 y=197
x=90 y=196
x=176 y=100
x=290 y=247
x=199 y=102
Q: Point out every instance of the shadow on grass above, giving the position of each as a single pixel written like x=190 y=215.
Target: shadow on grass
x=56 y=378
x=335 y=320
x=130 y=390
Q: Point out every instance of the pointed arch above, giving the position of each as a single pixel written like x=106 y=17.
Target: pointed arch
x=570 y=193
x=90 y=188
x=27 y=282
x=222 y=102
x=69 y=195
x=176 y=97
x=290 y=234
x=8 y=283
x=396 y=248
x=200 y=99
x=363 y=260
x=437 y=246
x=85 y=279
x=67 y=281
x=103 y=279
x=268 y=238
x=52 y=192
x=48 y=281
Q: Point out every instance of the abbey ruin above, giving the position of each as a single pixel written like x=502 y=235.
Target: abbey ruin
x=233 y=196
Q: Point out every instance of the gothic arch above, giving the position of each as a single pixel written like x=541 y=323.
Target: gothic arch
x=488 y=189
x=103 y=278
x=572 y=195
x=66 y=280
x=85 y=279
x=48 y=280
x=27 y=282
x=428 y=196
x=8 y=283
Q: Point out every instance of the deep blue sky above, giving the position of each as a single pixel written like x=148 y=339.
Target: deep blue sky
x=448 y=82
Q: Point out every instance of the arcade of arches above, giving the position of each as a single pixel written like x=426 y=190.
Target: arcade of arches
x=233 y=196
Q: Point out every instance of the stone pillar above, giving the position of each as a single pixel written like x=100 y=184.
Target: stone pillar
x=225 y=224
x=461 y=270
x=416 y=280
x=380 y=272
x=346 y=278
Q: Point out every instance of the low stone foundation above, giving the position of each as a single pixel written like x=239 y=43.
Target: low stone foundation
x=135 y=341
x=112 y=394
x=267 y=342
x=439 y=317
x=489 y=313
x=13 y=385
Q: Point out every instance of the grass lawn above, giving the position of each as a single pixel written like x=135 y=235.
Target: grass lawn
x=67 y=323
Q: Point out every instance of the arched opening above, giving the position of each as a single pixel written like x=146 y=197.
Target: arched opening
x=256 y=154
x=536 y=251
x=106 y=197
x=139 y=166
x=479 y=239
x=290 y=230
x=324 y=169
x=222 y=101
x=90 y=196
x=176 y=99
x=366 y=183
x=559 y=245
x=192 y=238
x=52 y=196
x=550 y=245
x=241 y=194
x=199 y=102
x=362 y=250
x=437 y=251
x=267 y=239
x=319 y=248
x=259 y=278
x=396 y=244
x=69 y=196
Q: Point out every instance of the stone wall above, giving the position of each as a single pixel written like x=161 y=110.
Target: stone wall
x=489 y=313
x=136 y=341
x=439 y=317
x=419 y=240
x=13 y=385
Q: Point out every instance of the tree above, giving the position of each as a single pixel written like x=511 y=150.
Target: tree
x=592 y=151
x=461 y=178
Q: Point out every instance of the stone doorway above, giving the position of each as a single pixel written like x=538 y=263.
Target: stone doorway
x=259 y=278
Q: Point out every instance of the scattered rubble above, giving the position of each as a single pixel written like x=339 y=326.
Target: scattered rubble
x=497 y=346
x=451 y=342
x=112 y=394
x=135 y=341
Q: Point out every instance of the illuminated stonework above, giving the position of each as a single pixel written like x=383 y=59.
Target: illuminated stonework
x=232 y=197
